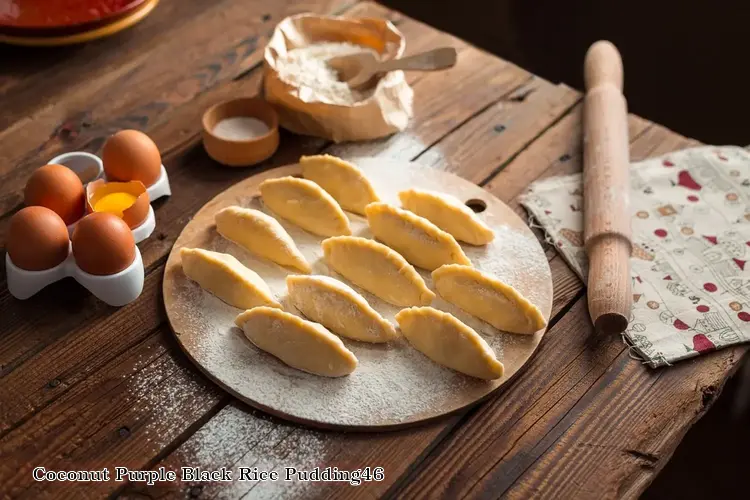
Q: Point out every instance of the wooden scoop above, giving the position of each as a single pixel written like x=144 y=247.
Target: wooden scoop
x=606 y=184
x=358 y=69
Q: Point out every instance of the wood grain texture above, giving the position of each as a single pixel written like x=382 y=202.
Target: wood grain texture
x=93 y=424
x=30 y=333
x=65 y=334
x=559 y=151
x=176 y=131
x=483 y=146
x=137 y=88
x=91 y=386
x=187 y=161
x=604 y=425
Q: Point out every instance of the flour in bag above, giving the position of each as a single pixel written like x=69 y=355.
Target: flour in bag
x=306 y=69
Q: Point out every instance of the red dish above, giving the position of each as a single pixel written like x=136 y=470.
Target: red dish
x=57 y=16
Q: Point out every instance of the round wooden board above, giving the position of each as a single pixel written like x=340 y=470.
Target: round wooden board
x=394 y=385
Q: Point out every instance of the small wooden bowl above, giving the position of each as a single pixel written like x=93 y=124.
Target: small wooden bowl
x=241 y=153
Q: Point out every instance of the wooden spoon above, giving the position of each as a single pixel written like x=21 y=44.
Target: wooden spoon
x=358 y=69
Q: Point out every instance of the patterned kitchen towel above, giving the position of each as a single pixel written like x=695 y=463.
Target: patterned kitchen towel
x=691 y=237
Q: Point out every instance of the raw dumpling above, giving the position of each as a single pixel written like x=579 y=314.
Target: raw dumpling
x=261 y=234
x=342 y=180
x=449 y=214
x=488 y=298
x=447 y=341
x=378 y=269
x=339 y=308
x=422 y=243
x=301 y=344
x=306 y=204
x=226 y=277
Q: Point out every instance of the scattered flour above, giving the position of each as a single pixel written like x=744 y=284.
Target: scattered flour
x=394 y=383
x=238 y=438
x=306 y=69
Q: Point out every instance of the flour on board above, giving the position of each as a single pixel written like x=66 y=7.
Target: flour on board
x=394 y=383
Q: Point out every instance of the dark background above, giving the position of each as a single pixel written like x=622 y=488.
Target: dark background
x=685 y=66
x=685 y=60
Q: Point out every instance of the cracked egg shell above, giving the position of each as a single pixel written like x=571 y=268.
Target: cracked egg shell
x=133 y=215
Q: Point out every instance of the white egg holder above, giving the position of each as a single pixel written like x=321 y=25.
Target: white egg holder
x=89 y=167
x=114 y=289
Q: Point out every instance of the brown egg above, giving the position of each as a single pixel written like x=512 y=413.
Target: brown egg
x=130 y=155
x=57 y=188
x=103 y=244
x=37 y=239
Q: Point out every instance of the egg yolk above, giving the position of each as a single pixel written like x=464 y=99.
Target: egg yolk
x=115 y=203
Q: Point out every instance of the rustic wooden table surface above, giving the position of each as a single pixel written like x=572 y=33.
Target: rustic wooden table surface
x=86 y=386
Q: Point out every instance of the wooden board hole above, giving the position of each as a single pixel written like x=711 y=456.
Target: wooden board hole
x=476 y=205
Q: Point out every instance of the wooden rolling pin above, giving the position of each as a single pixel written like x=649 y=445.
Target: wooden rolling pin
x=606 y=187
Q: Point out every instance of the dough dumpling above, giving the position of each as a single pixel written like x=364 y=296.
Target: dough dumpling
x=378 y=269
x=339 y=308
x=449 y=214
x=488 y=298
x=341 y=179
x=226 y=277
x=449 y=342
x=306 y=204
x=260 y=234
x=420 y=241
x=301 y=344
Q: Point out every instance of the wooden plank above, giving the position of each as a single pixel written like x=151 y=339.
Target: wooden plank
x=241 y=437
x=28 y=71
x=71 y=362
x=478 y=80
x=625 y=427
x=506 y=419
x=473 y=151
x=573 y=439
x=135 y=88
x=27 y=334
x=390 y=446
x=83 y=346
x=558 y=150
x=94 y=423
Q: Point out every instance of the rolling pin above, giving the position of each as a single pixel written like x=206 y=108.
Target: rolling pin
x=606 y=189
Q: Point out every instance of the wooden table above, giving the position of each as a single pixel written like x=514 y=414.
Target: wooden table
x=86 y=386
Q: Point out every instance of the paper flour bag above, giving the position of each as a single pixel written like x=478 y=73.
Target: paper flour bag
x=305 y=92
